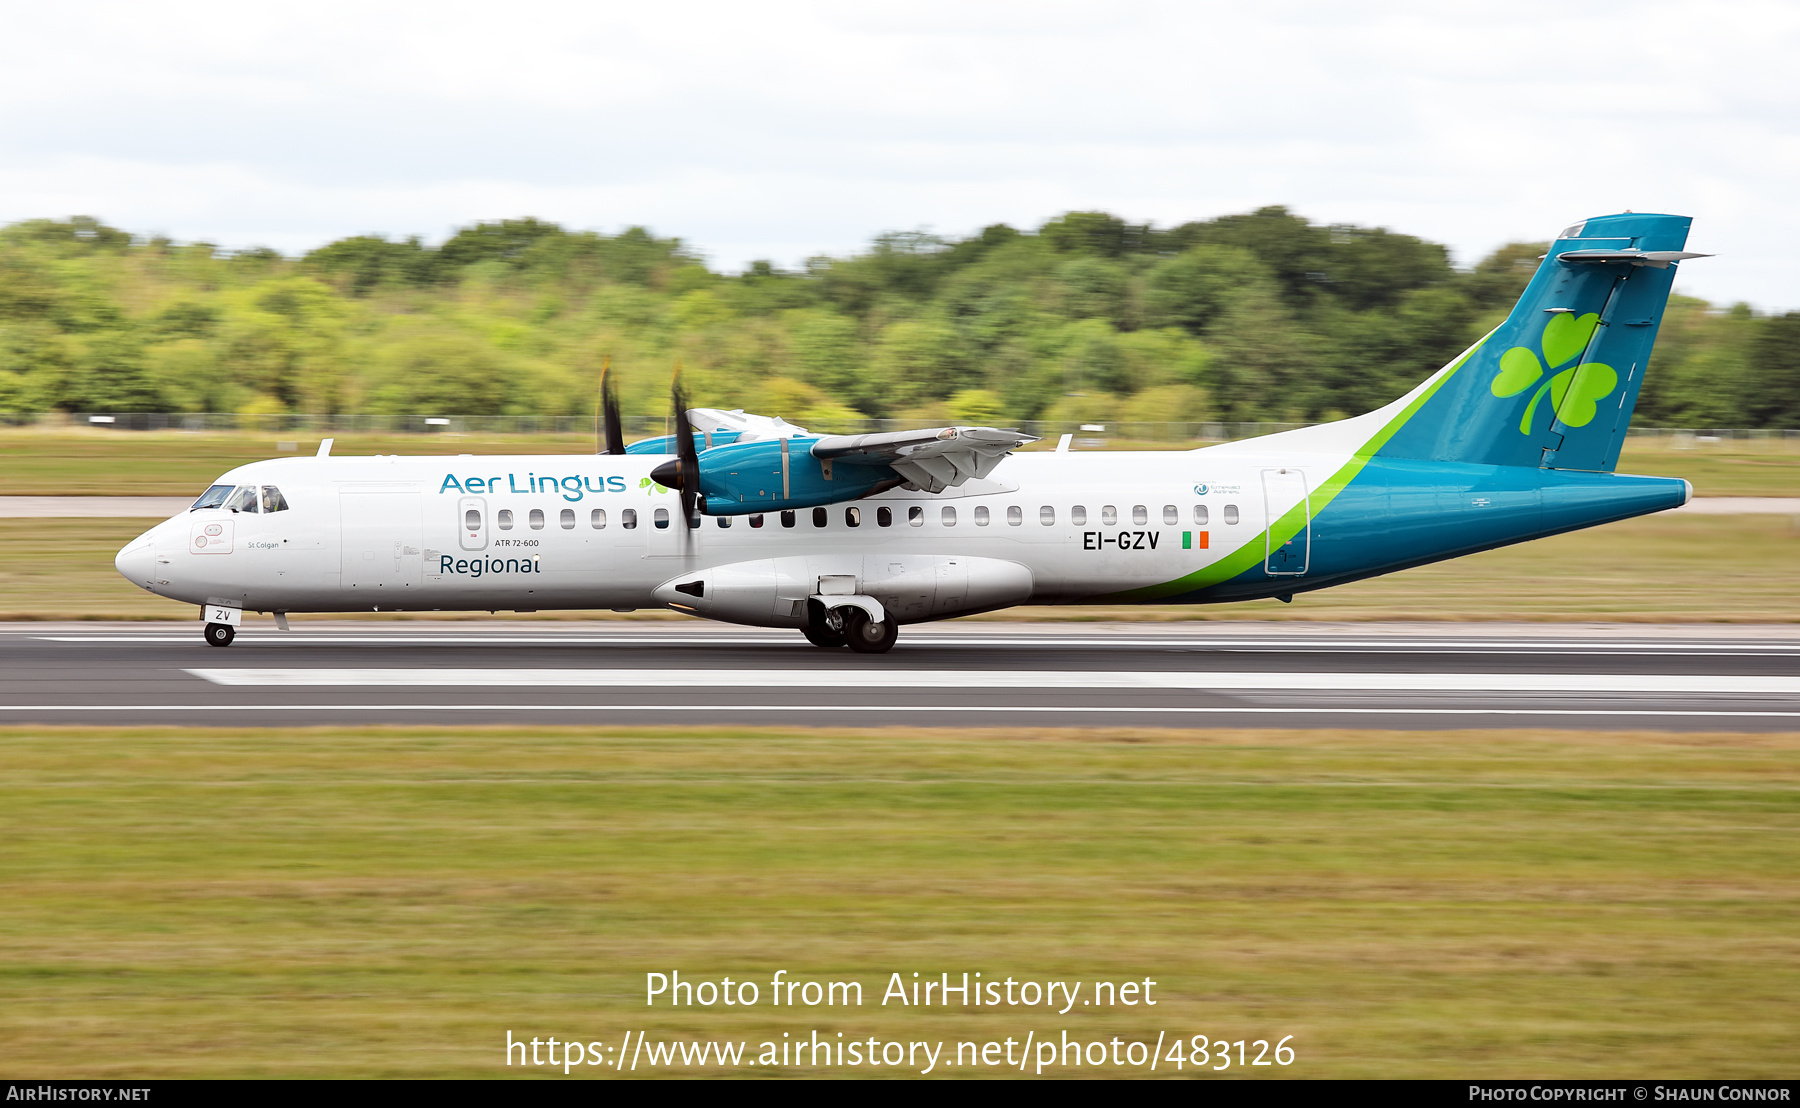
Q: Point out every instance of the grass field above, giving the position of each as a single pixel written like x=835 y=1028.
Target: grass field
x=1687 y=568
x=86 y=462
x=393 y=902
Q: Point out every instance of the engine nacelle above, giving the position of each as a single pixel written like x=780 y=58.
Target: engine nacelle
x=780 y=475
x=665 y=444
x=715 y=427
x=774 y=592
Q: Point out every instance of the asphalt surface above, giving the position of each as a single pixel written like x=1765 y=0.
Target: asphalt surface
x=940 y=675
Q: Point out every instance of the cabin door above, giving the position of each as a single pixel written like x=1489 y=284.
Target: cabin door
x=1284 y=493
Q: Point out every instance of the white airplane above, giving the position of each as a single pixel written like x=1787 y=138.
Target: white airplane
x=755 y=521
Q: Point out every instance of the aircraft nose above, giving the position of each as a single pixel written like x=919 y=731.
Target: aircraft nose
x=137 y=561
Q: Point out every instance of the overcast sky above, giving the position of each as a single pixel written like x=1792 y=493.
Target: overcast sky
x=782 y=130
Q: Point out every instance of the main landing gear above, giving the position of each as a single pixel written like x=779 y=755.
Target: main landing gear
x=220 y=634
x=855 y=630
x=865 y=636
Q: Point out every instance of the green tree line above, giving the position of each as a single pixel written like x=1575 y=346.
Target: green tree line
x=1258 y=316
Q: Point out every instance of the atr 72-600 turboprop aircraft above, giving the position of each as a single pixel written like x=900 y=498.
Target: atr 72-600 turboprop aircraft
x=752 y=520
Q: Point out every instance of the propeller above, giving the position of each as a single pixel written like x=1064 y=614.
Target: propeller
x=608 y=416
x=689 y=458
x=682 y=474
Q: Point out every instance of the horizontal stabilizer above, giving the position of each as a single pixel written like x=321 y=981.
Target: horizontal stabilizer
x=933 y=460
x=1655 y=259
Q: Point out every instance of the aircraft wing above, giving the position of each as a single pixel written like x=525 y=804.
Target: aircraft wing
x=933 y=459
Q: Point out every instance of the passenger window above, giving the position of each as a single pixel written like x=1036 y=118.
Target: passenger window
x=819 y=517
x=472 y=520
x=567 y=519
x=661 y=518
x=852 y=517
x=213 y=497
x=1109 y=515
x=273 y=501
x=787 y=519
x=1171 y=514
x=756 y=520
x=1014 y=516
x=884 y=517
x=915 y=516
x=1231 y=515
x=244 y=500
x=537 y=519
x=503 y=519
x=948 y=515
x=1140 y=515
x=1200 y=515
x=724 y=521
x=597 y=519
x=1078 y=516
x=1047 y=516
x=981 y=515
x=627 y=519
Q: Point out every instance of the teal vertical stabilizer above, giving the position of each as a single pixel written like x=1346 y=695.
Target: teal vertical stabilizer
x=1554 y=386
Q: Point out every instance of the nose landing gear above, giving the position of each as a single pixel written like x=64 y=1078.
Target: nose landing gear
x=220 y=634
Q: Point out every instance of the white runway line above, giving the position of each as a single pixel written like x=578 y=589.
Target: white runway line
x=1686 y=648
x=1728 y=684
x=841 y=709
x=1741 y=506
x=93 y=507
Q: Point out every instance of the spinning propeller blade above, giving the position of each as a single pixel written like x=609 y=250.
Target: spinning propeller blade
x=609 y=411
x=688 y=463
x=682 y=474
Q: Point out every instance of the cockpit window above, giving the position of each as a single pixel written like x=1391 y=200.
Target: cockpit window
x=212 y=497
x=273 y=501
x=243 y=500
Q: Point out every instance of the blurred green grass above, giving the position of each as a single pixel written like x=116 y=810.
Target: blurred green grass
x=1666 y=568
x=390 y=902
x=87 y=462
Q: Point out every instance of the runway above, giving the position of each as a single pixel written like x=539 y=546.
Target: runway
x=1189 y=675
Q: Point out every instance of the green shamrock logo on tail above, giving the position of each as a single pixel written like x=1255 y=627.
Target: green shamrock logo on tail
x=1565 y=337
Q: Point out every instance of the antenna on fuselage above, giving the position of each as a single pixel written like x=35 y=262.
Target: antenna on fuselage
x=325 y=448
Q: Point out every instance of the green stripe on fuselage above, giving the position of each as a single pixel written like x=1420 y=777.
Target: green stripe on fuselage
x=1245 y=557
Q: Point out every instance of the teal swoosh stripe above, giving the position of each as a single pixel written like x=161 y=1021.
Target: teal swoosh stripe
x=1253 y=553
